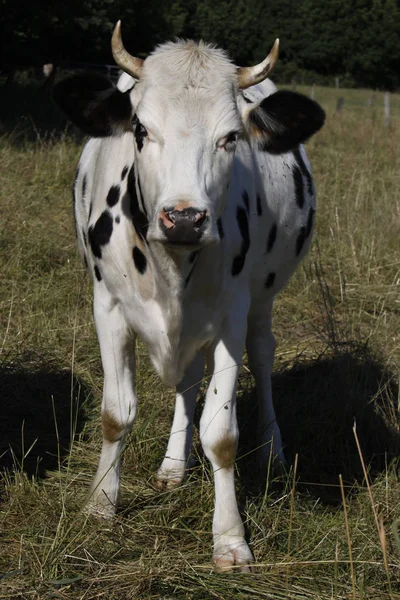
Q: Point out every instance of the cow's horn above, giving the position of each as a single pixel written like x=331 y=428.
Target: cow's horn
x=248 y=76
x=130 y=64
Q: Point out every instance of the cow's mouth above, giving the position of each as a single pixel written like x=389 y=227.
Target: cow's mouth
x=179 y=245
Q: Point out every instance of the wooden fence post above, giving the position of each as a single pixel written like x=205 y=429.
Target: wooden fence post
x=339 y=105
x=386 y=103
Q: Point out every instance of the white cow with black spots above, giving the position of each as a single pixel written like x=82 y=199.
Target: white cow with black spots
x=194 y=204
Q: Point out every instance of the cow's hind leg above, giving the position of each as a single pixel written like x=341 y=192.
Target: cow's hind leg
x=261 y=345
x=117 y=346
x=175 y=463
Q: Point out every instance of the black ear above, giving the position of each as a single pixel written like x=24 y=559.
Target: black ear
x=284 y=120
x=94 y=104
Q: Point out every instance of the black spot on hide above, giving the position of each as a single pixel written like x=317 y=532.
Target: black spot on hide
x=84 y=184
x=239 y=260
x=140 y=260
x=269 y=282
x=298 y=186
x=100 y=233
x=259 y=207
x=97 y=273
x=113 y=195
x=310 y=221
x=220 y=229
x=124 y=172
x=301 y=238
x=139 y=219
x=271 y=237
x=306 y=173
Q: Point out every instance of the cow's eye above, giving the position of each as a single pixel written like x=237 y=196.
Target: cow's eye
x=229 y=141
x=232 y=138
x=140 y=130
x=137 y=126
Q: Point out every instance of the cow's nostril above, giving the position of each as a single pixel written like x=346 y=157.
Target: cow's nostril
x=200 y=218
x=167 y=217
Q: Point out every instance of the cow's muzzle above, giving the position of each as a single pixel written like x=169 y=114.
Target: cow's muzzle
x=183 y=226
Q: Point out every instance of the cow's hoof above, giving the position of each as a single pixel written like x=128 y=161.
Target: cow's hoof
x=171 y=473
x=233 y=556
x=100 y=508
x=167 y=480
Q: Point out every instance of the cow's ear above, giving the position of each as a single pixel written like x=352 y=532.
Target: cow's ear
x=283 y=120
x=94 y=104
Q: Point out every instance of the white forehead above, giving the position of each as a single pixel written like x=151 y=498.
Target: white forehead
x=194 y=80
x=185 y=63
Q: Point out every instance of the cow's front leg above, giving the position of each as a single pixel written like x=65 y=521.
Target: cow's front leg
x=219 y=437
x=175 y=463
x=117 y=346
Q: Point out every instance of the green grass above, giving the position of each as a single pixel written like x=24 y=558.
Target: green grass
x=338 y=332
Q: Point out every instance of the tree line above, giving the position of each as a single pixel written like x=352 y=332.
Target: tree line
x=358 y=41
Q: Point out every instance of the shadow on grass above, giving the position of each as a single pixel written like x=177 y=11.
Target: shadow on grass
x=41 y=412
x=317 y=404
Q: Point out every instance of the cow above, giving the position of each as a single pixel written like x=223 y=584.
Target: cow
x=194 y=203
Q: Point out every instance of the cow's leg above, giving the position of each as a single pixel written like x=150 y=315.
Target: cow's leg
x=219 y=437
x=117 y=346
x=172 y=469
x=260 y=351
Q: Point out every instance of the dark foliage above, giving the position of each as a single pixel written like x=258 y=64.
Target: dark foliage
x=358 y=41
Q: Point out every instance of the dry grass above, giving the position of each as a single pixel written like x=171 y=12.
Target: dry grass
x=337 y=325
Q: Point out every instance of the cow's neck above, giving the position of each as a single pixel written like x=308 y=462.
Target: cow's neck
x=170 y=270
x=169 y=274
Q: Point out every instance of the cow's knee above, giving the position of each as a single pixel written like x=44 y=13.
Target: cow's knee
x=114 y=428
x=221 y=451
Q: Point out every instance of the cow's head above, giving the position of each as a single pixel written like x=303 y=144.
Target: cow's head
x=187 y=113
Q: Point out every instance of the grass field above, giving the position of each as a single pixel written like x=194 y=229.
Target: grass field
x=338 y=364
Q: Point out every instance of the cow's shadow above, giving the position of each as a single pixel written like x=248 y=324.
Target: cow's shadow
x=317 y=404
x=41 y=413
